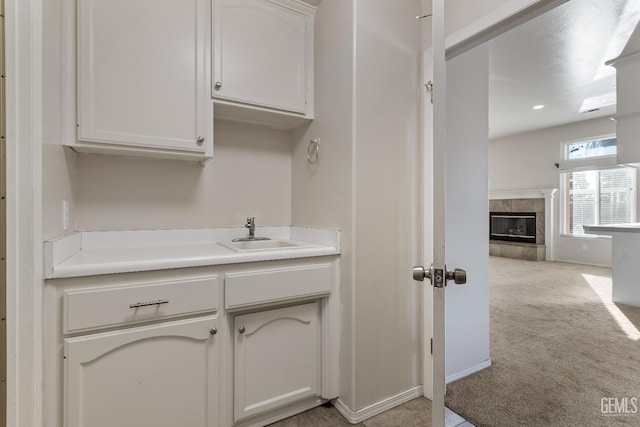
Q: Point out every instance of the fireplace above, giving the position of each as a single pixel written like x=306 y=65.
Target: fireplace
x=513 y=226
x=522 y=239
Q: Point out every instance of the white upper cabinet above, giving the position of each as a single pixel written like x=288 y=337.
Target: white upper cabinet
x=143 y=73
x=263 y=61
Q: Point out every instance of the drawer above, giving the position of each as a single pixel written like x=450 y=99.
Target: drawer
x=92 y=308
x=263 y=286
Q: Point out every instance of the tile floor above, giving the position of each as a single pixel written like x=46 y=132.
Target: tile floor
x=414 y=413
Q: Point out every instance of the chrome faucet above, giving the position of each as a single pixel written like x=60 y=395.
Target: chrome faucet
x=251 y=225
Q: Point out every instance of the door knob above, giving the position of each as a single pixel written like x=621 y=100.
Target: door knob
x=458 y=275
x=218 y=85
x=435 y=276
x=419 y=273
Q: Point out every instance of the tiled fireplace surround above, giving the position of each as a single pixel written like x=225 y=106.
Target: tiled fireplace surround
x=538 y=201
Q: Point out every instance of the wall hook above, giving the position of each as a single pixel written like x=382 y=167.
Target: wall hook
x=313 y=151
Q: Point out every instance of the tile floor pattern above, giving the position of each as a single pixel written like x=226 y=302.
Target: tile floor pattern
x=414 y=413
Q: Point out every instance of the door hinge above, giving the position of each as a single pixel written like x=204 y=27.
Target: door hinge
x=431 y=345
x=429 y=86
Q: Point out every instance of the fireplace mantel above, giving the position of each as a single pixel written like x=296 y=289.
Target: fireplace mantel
x=548 y=194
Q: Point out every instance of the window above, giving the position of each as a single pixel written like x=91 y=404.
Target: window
x=588 y=149
x=599 y=197
x=595 y=190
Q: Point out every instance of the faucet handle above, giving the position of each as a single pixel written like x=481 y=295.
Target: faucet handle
x=250 y=221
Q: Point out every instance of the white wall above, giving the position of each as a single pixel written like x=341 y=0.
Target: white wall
x=58 y=166
x=467 y=212
x=365 y=182
x=250 y=175
x=387 y=124
x=526 y=161
x=322 y=193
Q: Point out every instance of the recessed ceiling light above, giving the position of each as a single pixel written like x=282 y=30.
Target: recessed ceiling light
x=538 y=107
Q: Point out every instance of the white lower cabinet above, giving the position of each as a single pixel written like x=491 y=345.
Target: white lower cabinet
x=162 y=375
x=224 y=346
x=277 y=356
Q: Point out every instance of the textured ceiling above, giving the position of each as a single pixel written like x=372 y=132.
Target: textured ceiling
x=557 y=60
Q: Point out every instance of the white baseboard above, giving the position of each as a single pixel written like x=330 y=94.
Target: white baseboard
x=468 y=371
x=355 y=417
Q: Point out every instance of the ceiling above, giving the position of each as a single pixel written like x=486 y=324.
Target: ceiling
x=557 y=60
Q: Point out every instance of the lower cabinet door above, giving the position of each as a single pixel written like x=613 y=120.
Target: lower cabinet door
x=160 y=375
x=276 y=358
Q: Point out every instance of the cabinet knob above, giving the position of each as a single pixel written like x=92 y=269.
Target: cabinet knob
x=200 y=140
x=213 y=331
x=241 y=330
x=218 y=85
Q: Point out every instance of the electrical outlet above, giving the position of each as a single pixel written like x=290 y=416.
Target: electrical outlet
x=65 y=215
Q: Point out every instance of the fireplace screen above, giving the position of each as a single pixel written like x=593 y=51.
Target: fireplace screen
x=512 y=226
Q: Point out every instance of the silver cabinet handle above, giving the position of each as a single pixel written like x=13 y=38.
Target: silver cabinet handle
x=145 y=304
x=218 y=85
x=241 y=330
x=213 y=331
x=200 y=140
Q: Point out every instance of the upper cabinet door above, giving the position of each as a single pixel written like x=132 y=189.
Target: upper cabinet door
x=263 y=53
x=143 y=73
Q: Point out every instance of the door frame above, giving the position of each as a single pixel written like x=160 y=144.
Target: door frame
x=23 y=37
x=3 y=232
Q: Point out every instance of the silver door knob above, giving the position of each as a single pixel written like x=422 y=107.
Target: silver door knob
x=419 y=273
x=218 y=85
x=200 y=140
x=213 y=331
x=458 y=275
x=241 y=330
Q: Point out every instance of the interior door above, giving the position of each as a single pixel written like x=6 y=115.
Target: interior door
x=434 y=227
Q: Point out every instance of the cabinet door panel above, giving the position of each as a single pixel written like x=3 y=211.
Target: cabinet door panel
x=142 y=72
x=160 y=375
x=276 y=358
x=260 y=54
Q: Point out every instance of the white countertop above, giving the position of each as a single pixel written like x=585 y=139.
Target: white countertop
x=612 y=228
x=91 y=253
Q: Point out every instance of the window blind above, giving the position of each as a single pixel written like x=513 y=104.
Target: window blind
x=600 y=197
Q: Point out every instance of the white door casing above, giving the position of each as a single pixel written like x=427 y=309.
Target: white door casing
x=438 y=161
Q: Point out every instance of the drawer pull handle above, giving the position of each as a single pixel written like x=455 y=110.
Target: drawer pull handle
x=145 y=304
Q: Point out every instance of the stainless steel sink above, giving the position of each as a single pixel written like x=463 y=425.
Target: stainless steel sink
x=262 y=245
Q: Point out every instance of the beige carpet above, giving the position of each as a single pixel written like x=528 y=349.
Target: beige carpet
x=558 y=346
